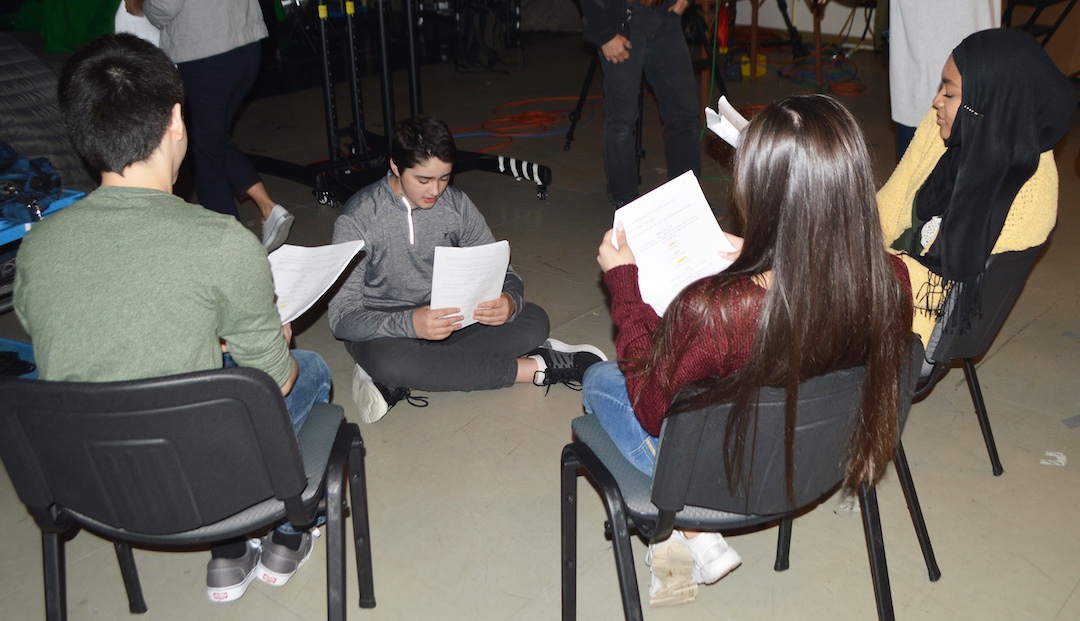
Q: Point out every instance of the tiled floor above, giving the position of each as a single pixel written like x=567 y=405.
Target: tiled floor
x=464 y=493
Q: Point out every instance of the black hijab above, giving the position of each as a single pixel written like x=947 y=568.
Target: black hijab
x=1015 y=104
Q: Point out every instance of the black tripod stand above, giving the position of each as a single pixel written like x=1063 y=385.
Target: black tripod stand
x=365 y=156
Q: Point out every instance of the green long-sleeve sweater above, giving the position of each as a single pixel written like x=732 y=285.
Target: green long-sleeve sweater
x=133 y=283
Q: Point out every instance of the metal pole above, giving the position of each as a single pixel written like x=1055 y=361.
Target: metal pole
x=386 y=81
x=415 y=103
x=328 y=88
x=360 y=144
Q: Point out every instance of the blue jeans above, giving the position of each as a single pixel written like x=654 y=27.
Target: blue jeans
x=659 y=49
x=312 y=385
x=603 y=392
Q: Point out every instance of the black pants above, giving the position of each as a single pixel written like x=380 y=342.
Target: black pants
x=477 y=357
x=215 y=87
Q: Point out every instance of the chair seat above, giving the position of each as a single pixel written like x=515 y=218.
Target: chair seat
x=316 y=439
x=636 y=486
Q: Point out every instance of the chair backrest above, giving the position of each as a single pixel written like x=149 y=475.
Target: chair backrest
x=1003 y=280
x=155 y=456
x=690 y=466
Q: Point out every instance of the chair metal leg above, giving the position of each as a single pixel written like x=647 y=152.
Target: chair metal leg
x=980 y=411
x=52 y=557
x=335 y=541
x=904 y=473
x=783 y=543
x=130 y=574
x=568 y=517
x=624 y=556
x=620 y=530
x=875 y=543
x=361 y=526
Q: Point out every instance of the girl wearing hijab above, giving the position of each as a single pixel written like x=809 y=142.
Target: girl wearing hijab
x=979 y=177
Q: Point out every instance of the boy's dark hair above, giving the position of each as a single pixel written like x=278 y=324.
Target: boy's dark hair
x=420 y=138
x=116 y=100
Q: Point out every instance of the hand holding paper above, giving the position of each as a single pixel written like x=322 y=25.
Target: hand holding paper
x=726 y=122
x=675 y=239
x=614 y=250
x=465 y=277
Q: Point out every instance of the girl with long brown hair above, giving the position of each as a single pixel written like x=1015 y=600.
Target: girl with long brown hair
x=810 y=291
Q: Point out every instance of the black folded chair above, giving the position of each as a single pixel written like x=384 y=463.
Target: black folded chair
x=1003 y=280
x=181 y=461
x=1032 y=27
x=689 y=489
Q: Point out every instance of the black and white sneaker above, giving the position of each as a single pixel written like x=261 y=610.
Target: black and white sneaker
x=562 y=363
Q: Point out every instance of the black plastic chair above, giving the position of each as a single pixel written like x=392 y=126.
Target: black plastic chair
x=185 y=460
x=1032 y=27
x=689 y=488
x=1003 y=280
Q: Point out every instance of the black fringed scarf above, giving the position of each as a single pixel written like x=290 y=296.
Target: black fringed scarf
x=1015 y=105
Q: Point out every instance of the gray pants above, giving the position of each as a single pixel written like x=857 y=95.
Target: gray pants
x=477 y=357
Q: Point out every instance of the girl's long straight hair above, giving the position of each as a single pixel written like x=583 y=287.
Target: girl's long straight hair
x=804 y=189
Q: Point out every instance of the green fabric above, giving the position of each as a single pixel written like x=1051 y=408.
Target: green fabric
x=133 y=283
x=909 y=241
x=66 y=25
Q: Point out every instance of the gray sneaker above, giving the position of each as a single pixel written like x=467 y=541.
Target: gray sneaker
x=278 y=563
x=227 y=579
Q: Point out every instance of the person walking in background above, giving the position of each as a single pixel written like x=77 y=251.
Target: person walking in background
x=215 y=45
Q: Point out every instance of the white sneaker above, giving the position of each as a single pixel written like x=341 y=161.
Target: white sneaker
x=276 y=228
x=713 y=557
x=369 y=400
x=672 y=567
x=848 y=505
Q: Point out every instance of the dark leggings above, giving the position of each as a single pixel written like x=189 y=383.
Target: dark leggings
x=215 y=87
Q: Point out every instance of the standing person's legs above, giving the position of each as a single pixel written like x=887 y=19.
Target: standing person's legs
x=603 y=393
x=670 y=72
x=212 y=86
x=622 y=86
x=239 y=170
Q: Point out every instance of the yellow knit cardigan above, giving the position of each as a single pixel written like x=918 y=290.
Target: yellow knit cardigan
x=1030 y=220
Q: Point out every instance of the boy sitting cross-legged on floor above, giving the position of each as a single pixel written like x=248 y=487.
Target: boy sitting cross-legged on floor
x=382 y=310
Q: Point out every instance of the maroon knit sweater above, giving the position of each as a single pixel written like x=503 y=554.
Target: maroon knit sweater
x=713 y=353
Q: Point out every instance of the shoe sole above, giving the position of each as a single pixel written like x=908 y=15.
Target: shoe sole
x=279 y=233
x=558 y=345
x=727 y=563
x=673 y=566
x=235 y=592
x=231 y=594
x=275 y=579
x=369 y=401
